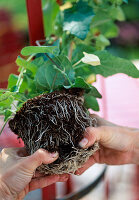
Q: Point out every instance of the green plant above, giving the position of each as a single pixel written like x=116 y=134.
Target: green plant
x=63 y=68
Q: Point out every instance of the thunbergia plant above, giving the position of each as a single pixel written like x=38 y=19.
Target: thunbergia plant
x=47 y=104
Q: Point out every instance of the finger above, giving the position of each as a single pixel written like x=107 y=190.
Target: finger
x=42 y=182
x=89 y=137
x=37 y=174
x=39 y=157
x=88 y=164
x=47 y=180
x=108 y=136
x=103 y=134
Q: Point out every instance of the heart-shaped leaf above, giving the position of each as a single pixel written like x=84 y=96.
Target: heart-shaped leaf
x=77 y=19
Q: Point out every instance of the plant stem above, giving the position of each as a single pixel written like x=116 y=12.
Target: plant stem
x=20 y=79
x=70 y=50
x=49 y=57
x=56 y=66
x=77 y=63
x=4 y=125
x=64 y=75
x=30 y=57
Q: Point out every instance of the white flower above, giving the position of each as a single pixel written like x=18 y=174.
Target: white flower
x=90 y=59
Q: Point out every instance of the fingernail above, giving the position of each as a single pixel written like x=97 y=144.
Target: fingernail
x=54 y=154
x=83 y=142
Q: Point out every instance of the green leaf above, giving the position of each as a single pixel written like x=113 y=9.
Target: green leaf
x=83 y=70
x=109 y=30
x=21 y=62
x=102 y=42
x=50 y=76
x=77 y=19
x=2 y=91
x=117 y=2
x=91 y=102
x=80 y=83
x=26 y=51
x=38 y=61
x=101 y=18
x=20 y=97
x=12 y=80
x=8 y=114
x=112 y=65
x=94 y=92
x=27 y=65
x=117 y=13
x=59 y=24
x=5 y=96
x=6 y=103
x=103 y=23
x=49 y=15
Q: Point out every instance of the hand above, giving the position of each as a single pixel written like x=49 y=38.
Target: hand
x=118 y=145
x=17 y=172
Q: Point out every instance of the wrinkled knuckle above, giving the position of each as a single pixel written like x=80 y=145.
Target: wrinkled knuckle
x=88 y=131
x=102 y=129
x=90 y=134
x=43 y=151
x=40 y=153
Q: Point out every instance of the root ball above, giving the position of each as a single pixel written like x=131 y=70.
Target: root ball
x=55 y=122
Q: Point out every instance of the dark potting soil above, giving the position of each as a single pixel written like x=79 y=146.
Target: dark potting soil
x=54 y=121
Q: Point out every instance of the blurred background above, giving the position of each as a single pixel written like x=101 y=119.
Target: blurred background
x=120 y=103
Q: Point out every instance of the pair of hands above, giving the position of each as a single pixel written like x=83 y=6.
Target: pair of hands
x=118 y=145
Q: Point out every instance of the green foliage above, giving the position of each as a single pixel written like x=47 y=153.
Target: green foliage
x=110 y=65
x=87 y=27
x=26 y=51
x=80 y=83
x=91 y=102
x=50 y=12
x=77 y=19
x=12 y=80
x=4 y=97
x=94 y=92
x=102 y=42
x=50 y=76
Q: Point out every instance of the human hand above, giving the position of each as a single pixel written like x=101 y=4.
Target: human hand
x=118 y=145
x=17 y=172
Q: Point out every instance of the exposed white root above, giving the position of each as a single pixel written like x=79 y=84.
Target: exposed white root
x=55 y=122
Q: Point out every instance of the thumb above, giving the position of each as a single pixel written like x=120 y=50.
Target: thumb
x=109 y=137
x=41 y=156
